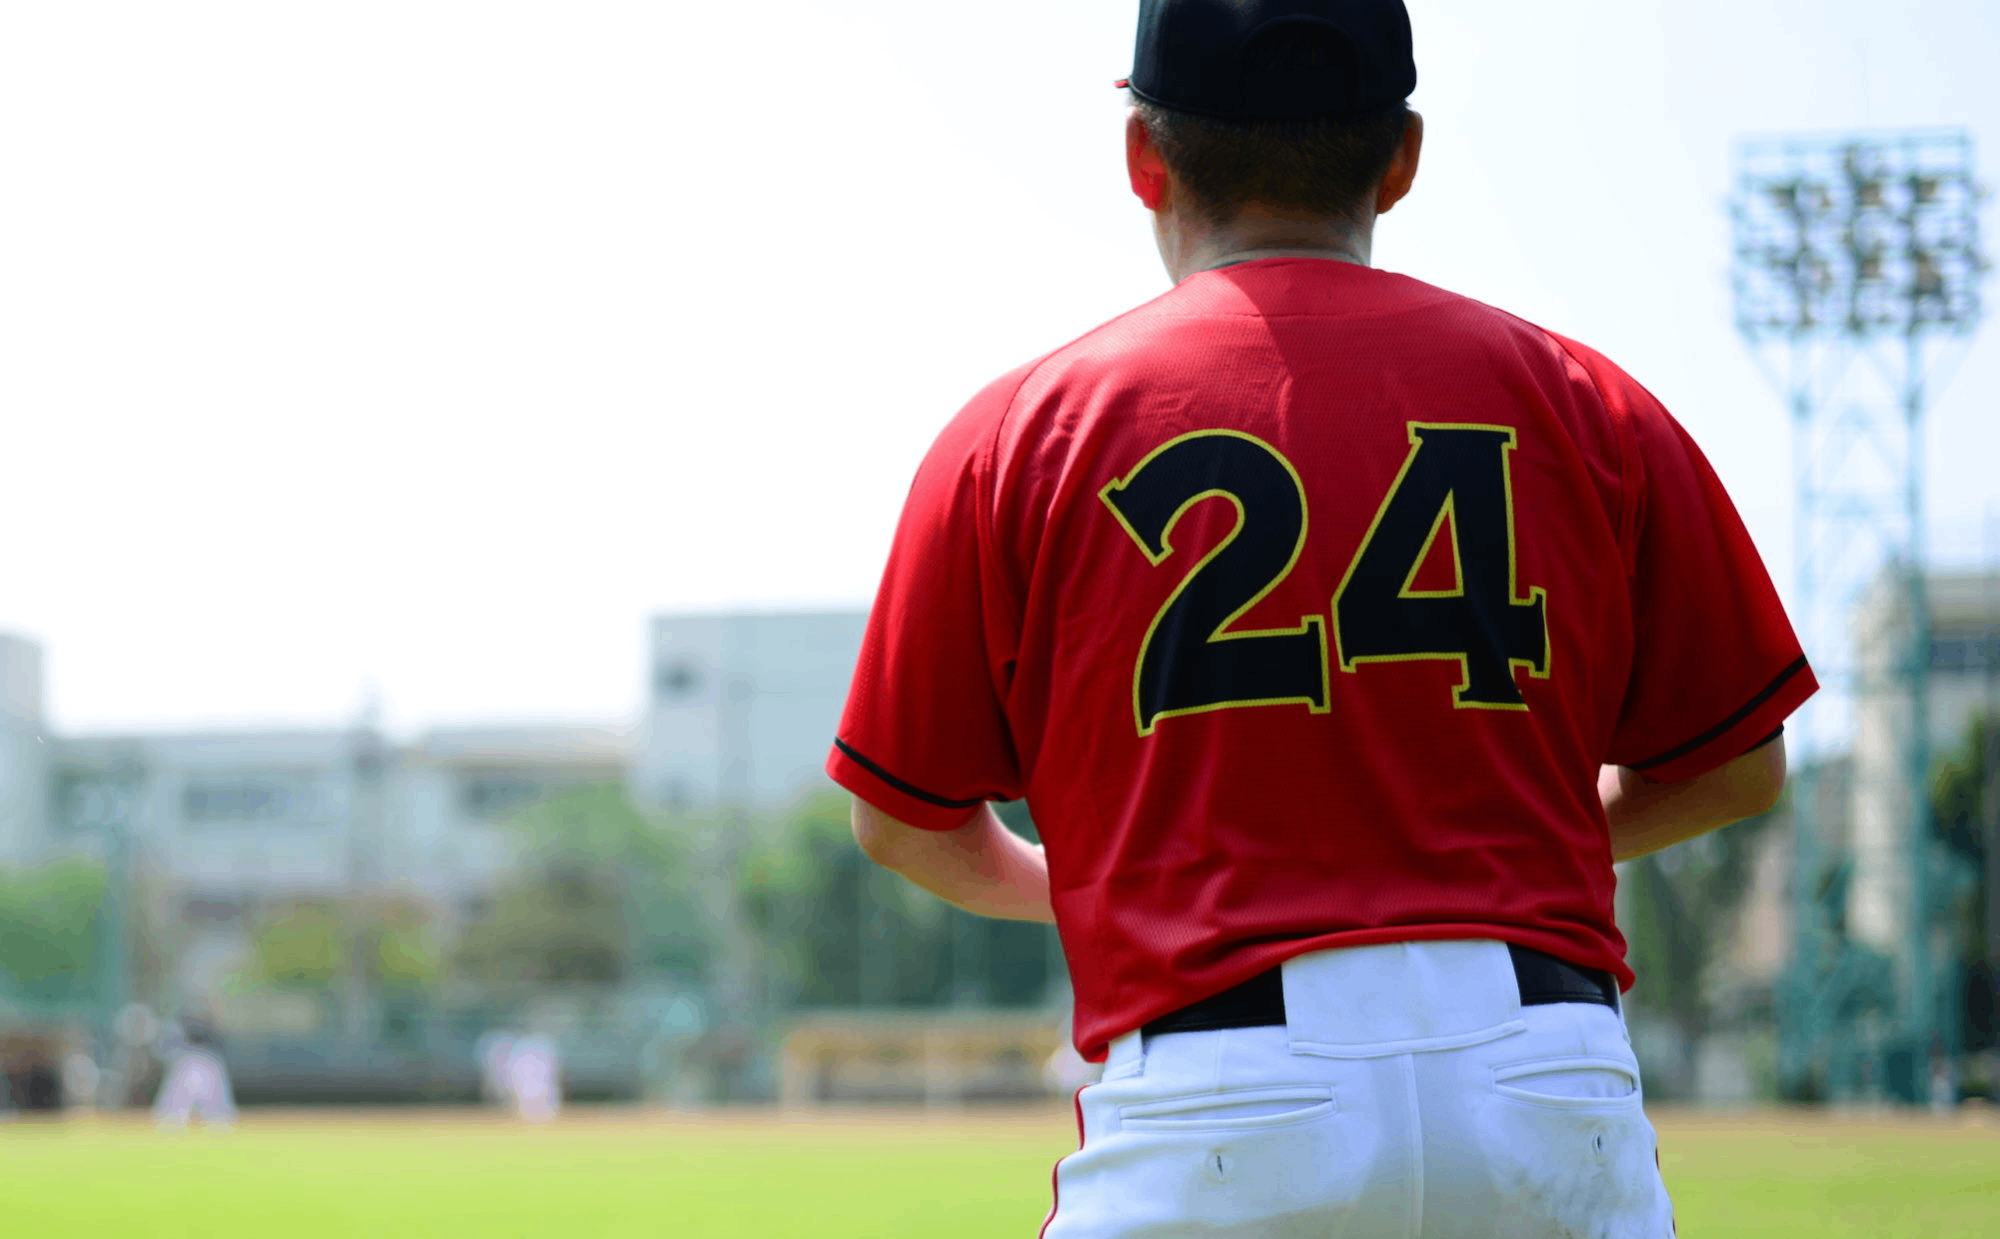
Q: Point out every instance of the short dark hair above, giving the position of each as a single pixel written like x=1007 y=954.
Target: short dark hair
x=1325 y=166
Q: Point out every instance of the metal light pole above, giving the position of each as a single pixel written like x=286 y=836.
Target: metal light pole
x=1990 y=790
x=108 y=804
x=1857 y=271
x=740 y=998
x=116 y=922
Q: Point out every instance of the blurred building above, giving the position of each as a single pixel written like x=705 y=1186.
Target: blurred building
x=209 y=835
x=457 y=787
x=215 y=825
x=742 y=707
x=1863 y=807
x=212 y=837
x=1963 y=682
x=21 y=747
x=249 y=870
x=1865 y=786
x=235 y=817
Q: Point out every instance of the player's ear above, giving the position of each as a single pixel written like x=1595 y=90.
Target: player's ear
x=1148 y=172
x=1403 y=167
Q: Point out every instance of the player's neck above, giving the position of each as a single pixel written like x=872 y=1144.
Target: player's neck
x=1192 y=246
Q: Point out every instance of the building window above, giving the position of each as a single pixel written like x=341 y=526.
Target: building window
x=1976 y=653
x=90 y=801
x=248 y=799
x=202 y=911
x=487 y=796
x=677 y=681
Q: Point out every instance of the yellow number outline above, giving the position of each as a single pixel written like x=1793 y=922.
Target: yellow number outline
x=1462 y=657
x=1219 y=634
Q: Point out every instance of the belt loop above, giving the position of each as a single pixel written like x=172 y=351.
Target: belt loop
x=1127 y=1055
x=1400 y=998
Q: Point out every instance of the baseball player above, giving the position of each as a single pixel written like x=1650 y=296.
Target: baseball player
x=1341 y=633
x=491 y=1052
x=534 y=1078
x=197 y=1084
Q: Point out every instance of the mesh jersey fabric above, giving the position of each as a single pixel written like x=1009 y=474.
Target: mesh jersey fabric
x=1508 y=565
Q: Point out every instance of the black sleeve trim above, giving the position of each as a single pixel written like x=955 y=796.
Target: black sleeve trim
x=1722 y=728
x=1766 y=740
x=908 y=789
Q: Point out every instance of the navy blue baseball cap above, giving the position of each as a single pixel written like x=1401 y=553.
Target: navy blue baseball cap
x=1273 y=59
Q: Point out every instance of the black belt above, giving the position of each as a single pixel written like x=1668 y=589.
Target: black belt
x=1543 y=979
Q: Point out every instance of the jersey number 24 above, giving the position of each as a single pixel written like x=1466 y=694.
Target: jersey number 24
x=1456 y=479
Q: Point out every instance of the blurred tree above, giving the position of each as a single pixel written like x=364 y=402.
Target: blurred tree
x=561 y=925
x=308 y=944
x=835 y=930
x=603 y=895
x=299 y=945
x=155 y=937
x=1959 y=799
x=838 y=931
x=1679 y=912
x=48 y=926
x=1022 y=959
x=802 y=893
x=403 y=949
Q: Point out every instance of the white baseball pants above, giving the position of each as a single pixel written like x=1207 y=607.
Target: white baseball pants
x=1409 y=1095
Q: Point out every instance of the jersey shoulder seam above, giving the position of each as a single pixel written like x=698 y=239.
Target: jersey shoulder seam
x=988 y=468
x=1631 y=466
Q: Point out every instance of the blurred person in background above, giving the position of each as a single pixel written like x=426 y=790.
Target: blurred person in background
x=30 y=1076
x=82 y=1080
x=668 y=1058
x=133 y=1069
x=492 y=1051
x=534 y=1078
x=197 y=1080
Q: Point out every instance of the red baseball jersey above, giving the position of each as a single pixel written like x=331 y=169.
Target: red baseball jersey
x=1303 y=605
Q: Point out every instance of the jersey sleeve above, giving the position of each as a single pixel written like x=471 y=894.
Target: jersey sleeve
x=924 y=736
x=1716 y=667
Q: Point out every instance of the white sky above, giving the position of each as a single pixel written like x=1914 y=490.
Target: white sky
x=433 y=346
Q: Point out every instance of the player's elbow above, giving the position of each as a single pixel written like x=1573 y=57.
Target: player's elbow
x=1757 y=779
x=880 y=837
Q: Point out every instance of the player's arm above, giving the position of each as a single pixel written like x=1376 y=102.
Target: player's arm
x=1646 y=816
x=979 y=865
x=1715 y=668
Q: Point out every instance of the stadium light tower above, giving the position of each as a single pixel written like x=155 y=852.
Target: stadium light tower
x=1857 y=272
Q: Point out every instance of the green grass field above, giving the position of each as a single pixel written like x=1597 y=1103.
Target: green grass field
x=865 y=1176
